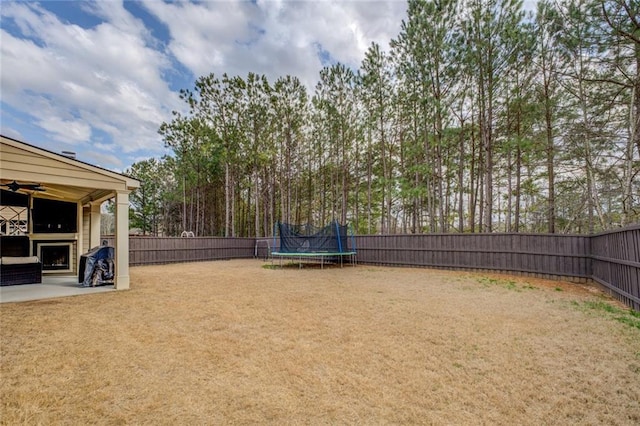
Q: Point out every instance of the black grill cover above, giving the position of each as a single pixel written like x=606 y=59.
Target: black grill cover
x=97 y=267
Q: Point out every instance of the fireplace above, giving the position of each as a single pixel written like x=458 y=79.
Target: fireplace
x=56 y=257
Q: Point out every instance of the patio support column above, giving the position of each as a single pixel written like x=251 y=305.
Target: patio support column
x=94 y=224
x=122 y=240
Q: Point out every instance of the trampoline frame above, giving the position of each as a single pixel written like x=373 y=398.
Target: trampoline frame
x=350 y=255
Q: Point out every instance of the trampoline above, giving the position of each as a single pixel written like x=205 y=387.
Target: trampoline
x=333 y=243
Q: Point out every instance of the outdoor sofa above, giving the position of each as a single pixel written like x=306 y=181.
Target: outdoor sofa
x=20 y=270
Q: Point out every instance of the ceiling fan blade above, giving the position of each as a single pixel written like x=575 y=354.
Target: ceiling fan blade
x=15 y=186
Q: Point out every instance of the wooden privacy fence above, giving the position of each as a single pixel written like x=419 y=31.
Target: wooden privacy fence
x=550 y=255
x=612 y=258
x=157 y=250
x=615 y=263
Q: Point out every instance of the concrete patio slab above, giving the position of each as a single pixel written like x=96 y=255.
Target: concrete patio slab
x=51 y=287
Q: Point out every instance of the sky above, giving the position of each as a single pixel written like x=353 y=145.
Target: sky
x=98 y=78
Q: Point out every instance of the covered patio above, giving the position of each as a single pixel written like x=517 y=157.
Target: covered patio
x=50 y=210
x=51 y=287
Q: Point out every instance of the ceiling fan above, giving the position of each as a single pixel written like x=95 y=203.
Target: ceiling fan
x=15 y=186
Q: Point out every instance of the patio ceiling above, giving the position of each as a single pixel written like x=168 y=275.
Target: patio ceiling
x=64 y=192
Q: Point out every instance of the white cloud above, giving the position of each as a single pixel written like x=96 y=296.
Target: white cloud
x=12 y=133
x=72 y=79
x=530 y=5
x=275 y=38
x=108 y=161
x=201 y=33
x=70 y=131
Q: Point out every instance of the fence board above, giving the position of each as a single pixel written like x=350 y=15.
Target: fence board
x=159 y=250
x=615 y=263
x=559 y=255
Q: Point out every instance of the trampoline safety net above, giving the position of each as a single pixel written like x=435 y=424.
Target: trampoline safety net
x=307 y=238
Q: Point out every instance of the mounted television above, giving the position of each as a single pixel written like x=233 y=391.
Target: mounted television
x=52 y=216
x=10 y=198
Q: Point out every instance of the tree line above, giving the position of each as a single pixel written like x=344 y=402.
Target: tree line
x=481 y=117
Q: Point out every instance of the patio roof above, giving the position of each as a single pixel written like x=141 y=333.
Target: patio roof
x=59 y=176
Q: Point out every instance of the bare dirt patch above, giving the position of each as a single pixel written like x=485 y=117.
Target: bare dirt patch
x=233 y=342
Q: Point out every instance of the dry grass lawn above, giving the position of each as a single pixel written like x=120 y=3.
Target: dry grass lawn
x=232 y=342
